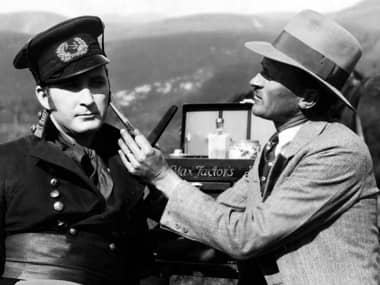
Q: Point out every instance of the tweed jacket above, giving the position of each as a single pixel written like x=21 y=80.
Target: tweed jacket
x=315 y=223
x=44 y=191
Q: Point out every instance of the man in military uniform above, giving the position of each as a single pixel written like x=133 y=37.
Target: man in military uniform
x=69 y=210
x=306 y=212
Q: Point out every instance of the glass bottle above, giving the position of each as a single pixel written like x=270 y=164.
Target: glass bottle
x=219 y=141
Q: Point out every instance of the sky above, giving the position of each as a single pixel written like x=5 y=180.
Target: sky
x=171 y=7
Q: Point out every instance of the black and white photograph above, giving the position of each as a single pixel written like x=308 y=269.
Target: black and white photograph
x=203 y=142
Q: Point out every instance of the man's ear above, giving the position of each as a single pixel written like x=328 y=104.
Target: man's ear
x=42 y=97
x=309 y=99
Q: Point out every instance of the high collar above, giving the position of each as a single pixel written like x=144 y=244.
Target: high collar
x=286 y=136
x=44 y=149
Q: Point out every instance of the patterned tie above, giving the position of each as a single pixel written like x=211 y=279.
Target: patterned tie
x=96 y=170
x=267 y=158
x=90 y=162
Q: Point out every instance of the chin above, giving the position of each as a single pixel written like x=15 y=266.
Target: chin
x=87 y=127
x=258 y=111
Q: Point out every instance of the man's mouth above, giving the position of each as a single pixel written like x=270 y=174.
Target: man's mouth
x=256 y=96
x=88 y=115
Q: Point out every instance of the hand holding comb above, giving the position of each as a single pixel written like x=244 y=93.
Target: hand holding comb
x=156 y=133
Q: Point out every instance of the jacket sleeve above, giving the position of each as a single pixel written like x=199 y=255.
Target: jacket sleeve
x=321 y=186
x=237 y=195
x=154 y=203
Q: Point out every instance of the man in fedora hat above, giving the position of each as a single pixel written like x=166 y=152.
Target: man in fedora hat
x=306 y=212
x=69 y=212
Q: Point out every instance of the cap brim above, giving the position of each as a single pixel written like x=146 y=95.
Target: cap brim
x=268 y=50
x=80 y=66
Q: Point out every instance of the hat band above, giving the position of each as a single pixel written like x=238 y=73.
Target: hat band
x=311 y=59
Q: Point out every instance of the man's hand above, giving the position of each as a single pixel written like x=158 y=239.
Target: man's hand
x=140 y=158
x=147 y=162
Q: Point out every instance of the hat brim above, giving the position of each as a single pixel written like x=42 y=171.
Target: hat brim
x=79 y=67
x=268 y=50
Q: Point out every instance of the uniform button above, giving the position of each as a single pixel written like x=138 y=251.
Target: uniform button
x=58 y=206
x=177 y=226
x=54 y=194
x=73 y=231
x=263 y=178
x=108 y=170
x=61 y=224
x=112 y=246
x=54 y=182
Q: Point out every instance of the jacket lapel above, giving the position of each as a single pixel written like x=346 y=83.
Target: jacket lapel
x=47 y=152
x=304 y=136
x=278 y=166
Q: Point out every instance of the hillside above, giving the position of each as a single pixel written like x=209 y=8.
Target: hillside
x=28 y=22
x=364 y=14
x=157 y=62
x=176 y=65
x=183 y=68
x=194 y=24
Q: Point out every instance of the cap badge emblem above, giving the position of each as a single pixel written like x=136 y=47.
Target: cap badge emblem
x=71 y=49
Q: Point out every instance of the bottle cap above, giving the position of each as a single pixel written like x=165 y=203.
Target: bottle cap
x=177 y=153
x=219 y=122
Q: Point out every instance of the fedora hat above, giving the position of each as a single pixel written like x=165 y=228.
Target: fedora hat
x=316 y=45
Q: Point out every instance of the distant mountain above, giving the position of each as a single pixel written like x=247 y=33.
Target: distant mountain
x=363 y=21
x=364 y=14
x=153 y=72
x=157 y=62
x=28 y=22
x=132 y=19
x=13 y=83
x=212 y=23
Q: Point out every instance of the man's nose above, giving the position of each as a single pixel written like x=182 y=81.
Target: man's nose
x=86 y=96
x=257 y=82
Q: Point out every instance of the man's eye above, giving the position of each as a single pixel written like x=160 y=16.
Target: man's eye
x=266 y=74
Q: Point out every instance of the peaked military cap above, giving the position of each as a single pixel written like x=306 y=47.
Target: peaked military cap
x=65 y=50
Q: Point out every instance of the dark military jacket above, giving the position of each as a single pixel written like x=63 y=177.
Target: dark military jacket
x=44 y=191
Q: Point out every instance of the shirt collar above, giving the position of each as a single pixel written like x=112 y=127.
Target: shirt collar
x=286 y=136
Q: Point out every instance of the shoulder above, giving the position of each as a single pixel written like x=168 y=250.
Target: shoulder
x=339 y=145
x=19 y=146
x=322 y=134
x=337 y=134
x=14 y=156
